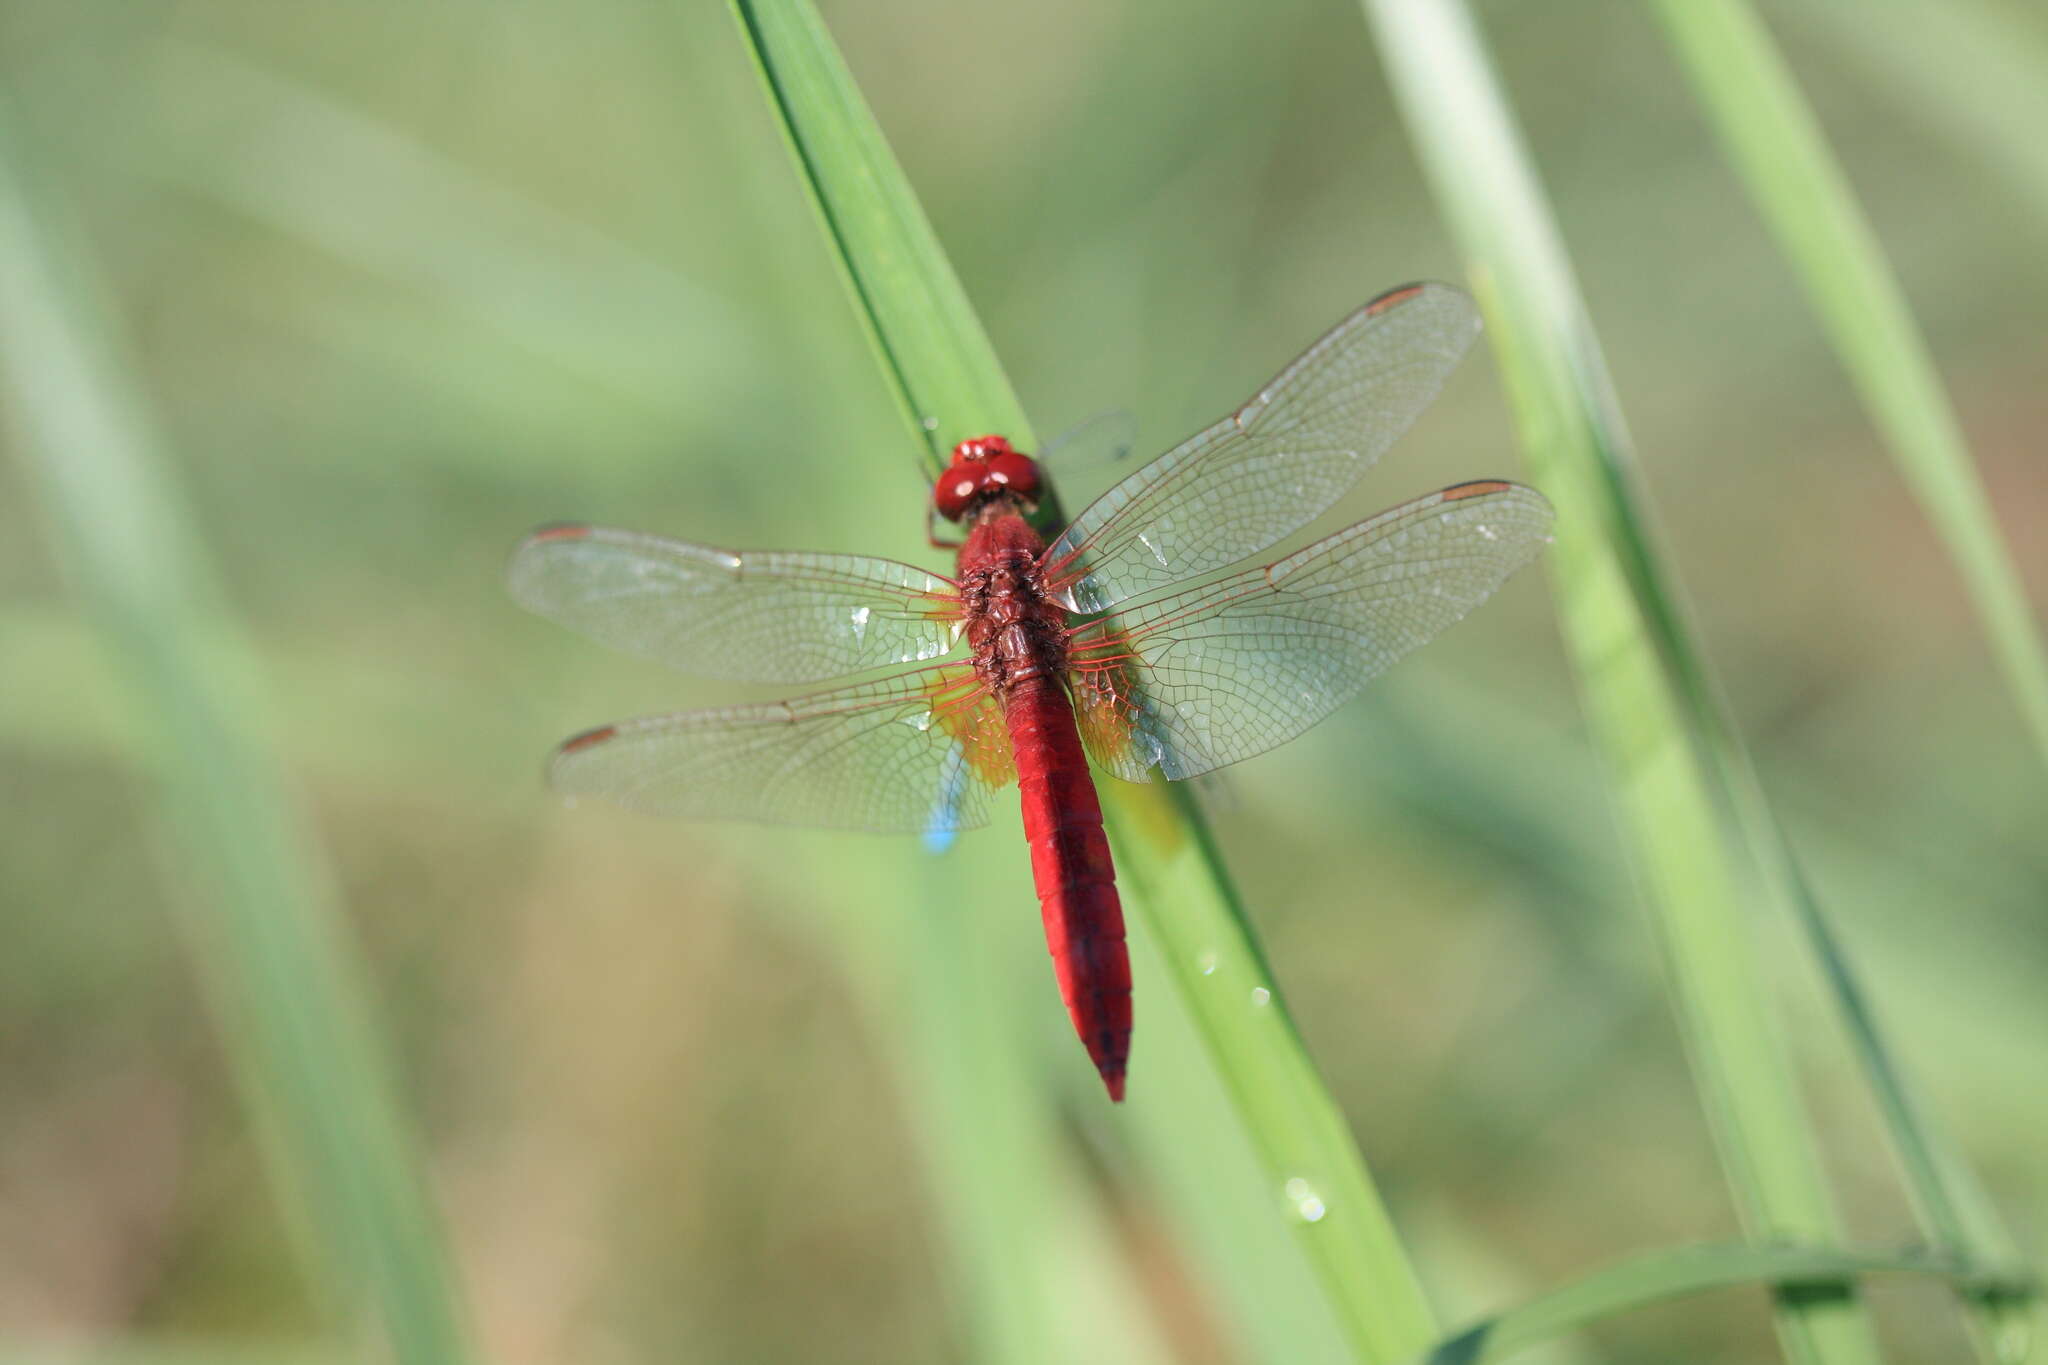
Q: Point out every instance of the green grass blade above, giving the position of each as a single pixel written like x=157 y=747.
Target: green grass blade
x=1969 y=71
x=1034 y=1267
x=284 y=979
x=933 y=350
x=948 y=385
x=1317 y=1177
x=1629 y=644
x=1776 y=144
x=1944 y=1192
x=1664 y=1275
x=1196 y=1160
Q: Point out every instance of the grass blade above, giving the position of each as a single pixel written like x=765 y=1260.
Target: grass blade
x=1637 y=671
x=1966 y=70
x=1034 y=1268
x=1196 y=1160
x=933 y=350
x=940 y=365
x=1776 y=144
x=263 y=917
x=1316 y=1175
x=1663 y=1275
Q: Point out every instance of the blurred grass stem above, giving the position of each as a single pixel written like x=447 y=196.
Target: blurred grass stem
x=943 y=371
x=1659 y=1276
x=1777 y=146
x=1638 y=674
x=261 y=910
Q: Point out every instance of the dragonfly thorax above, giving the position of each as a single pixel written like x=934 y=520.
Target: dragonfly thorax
x=984 y=467
x=1017 y=634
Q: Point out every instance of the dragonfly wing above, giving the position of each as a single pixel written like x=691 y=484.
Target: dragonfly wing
x=1104 y=439
x=1213 y=674
x=914 y=753
x=755 y=617
x=1276 y=463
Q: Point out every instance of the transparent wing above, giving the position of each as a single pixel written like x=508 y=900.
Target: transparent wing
x=1213 y=674
x=1276 y=463
x=1096 y=442
x=755 y=617
x=914 y=753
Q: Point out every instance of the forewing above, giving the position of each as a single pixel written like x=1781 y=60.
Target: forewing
x=914 y=753
x=1098 y=442
x=1204 y=677
x=764 y=616
x=1276 y=463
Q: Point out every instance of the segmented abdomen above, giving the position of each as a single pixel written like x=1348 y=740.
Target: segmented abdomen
x=1084 y=921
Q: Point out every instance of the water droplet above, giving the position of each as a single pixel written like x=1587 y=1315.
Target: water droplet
x=1488 y=532
x=1206 y=963
x=1308 y=1205
x=860 y=623
x=930 y=424
x=1261 y=996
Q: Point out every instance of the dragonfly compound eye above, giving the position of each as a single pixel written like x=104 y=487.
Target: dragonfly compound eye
x=1018 y=473
x=956 y=488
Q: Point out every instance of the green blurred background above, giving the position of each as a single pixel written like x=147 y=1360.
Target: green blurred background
x=404 y=280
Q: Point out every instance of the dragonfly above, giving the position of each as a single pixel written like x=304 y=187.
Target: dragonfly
x=1137 y=638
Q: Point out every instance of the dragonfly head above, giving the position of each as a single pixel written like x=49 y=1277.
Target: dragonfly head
x=984 y=467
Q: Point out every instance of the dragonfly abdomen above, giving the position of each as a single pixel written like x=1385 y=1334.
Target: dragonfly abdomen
x=1071 y=869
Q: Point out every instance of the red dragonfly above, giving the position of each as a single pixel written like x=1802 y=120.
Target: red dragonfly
x=1123 y=640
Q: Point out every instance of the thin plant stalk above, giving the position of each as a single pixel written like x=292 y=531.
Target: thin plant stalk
x=1966 y=70
x=947 y=384
x=1776 y=144
x=1034 y=1270
x=1660 y=1276
x=1629 y=643
x=284 y=978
